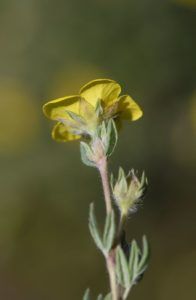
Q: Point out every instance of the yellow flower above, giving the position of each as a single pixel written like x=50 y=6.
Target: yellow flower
x=79 y=115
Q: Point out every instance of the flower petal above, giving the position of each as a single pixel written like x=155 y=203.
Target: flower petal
x=106 y=90
x=56 y=109
x=128 y=108
x=61 y=133
x=86 y=110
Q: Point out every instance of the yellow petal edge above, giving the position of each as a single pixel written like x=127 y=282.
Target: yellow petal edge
x=129 y=109
x=61 y=134
x=106 y=90
x=57 y=108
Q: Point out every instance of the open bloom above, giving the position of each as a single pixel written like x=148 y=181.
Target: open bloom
x=79 y=115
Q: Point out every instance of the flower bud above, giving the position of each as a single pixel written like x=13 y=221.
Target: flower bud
x=101 y=145
x=128 y=191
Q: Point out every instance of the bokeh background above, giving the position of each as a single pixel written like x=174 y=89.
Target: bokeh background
x=49 y=49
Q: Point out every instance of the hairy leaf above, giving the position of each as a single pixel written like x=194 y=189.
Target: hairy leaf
x=143 y=264
x=133 y=259
x=86 y=295
x=138 y=261
x=86 y=154
x=109 y=231
x=112 y=137
x=122 y=268
x=94 y=228
x=108 y=297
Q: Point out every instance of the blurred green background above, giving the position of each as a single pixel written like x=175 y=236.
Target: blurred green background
x=49 y=49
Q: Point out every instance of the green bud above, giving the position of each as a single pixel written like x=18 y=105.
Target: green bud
x=128 y=191
x=108 y=135
x=87 y=156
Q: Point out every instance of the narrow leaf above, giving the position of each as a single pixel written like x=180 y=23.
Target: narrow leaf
x=112 y=137
x=119 y=271
x=133 y=260
x=94 y=228
x=86 y=295
x=109 y=231
x=112 y=181
x=122 y=268
x=100 y=297
x=108 y=297
x=145 y=256
x=136 y=262
x=103 y=130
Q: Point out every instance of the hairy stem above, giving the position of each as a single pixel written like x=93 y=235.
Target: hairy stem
x=126 y=293
x=123 y=219
x=111 y=270
x=110 y=258
x=103 y=169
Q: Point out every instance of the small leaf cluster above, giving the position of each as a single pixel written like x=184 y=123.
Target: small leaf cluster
x=129 y=266
x=130 y=269
x=101 y=144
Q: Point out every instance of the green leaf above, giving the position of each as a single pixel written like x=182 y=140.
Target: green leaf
x=94 y=228
x=109 y=231
x=103 y=129
x=122 y=268
x=133 y=260
x=112 y=137
x=100 y=297
x=112 y=181
x=138 y=261
x=143 y=264
x=86 y=295
x=86 y=154
x=108 y=297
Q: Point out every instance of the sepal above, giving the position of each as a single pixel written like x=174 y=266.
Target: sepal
x=112 y=137
x=86 y=154
x=109 y=136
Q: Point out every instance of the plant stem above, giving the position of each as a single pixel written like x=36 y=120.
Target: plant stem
x=110 y=258
x=103 y=169
x=126 y=293
x=111 y=270
x=123 y=219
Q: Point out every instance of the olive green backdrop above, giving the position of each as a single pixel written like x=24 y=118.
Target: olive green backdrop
x=49 y=49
